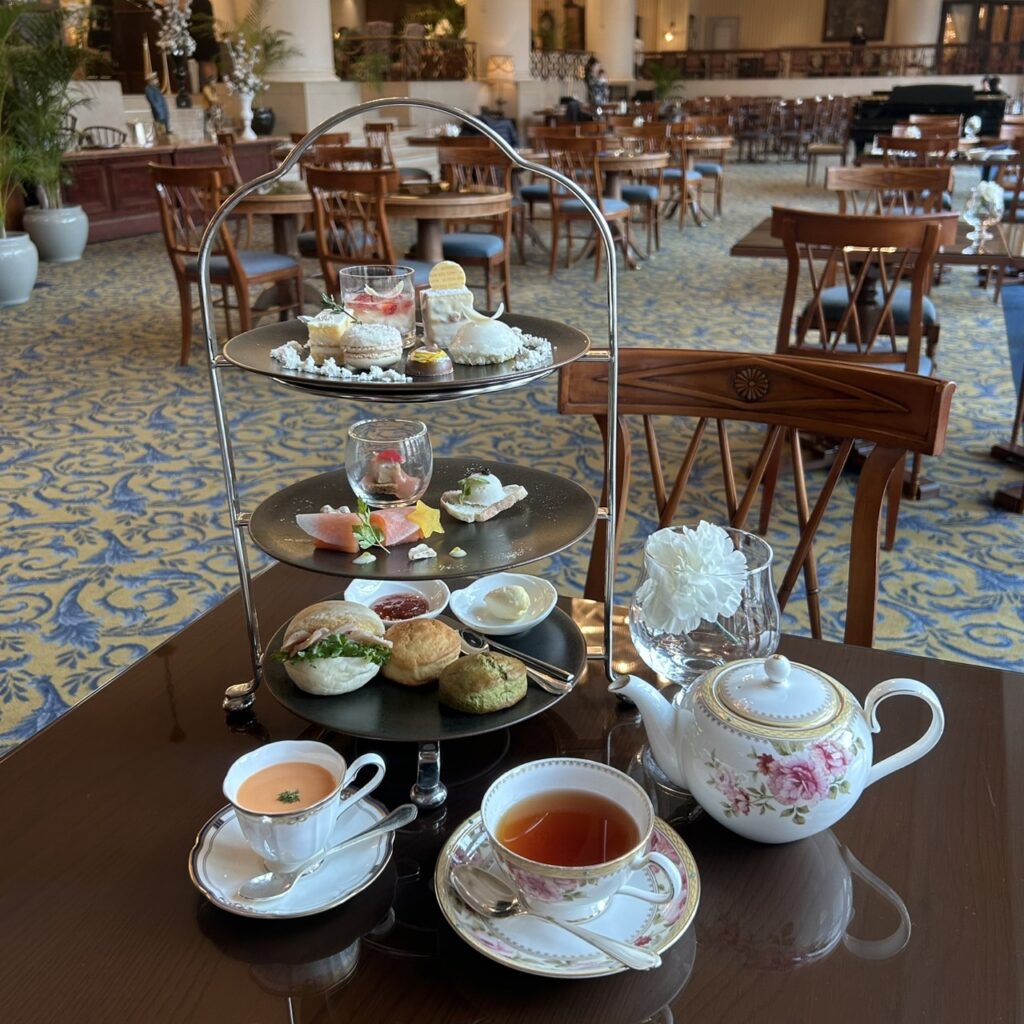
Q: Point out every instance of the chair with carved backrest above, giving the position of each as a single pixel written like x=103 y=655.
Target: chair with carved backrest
x=474 y=168
x=710 y=166
x=830 y=134
x=1010 y=178
x=577 y=159
x=930 y=151
x=351 y=223
x=883 y=266
x=724 y=392
x=378 y=133
x=188 y=198
x=682 y=177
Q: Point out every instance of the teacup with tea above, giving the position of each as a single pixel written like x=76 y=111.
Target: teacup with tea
x=569 y=833
x=288 y=796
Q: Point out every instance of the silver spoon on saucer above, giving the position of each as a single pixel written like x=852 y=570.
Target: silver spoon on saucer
x=272 y=884
x=476 y=643
x=491 y=896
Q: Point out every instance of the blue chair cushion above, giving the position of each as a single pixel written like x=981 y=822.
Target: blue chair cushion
x=252 y=262
x=835 y=300
x=463 y=244
x=676 y=174
x=610 y=206
x=535 y=193
x=640 y=193
x=421 y=271
x=709 y=169
x=414 y=174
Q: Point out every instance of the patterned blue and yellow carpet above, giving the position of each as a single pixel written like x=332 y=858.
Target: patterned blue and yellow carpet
x=113 y=500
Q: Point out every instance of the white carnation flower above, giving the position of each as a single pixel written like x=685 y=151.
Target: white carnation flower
x=693 y=575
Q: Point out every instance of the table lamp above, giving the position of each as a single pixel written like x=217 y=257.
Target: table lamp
x=500 y=68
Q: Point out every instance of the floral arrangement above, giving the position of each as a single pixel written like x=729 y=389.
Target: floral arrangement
x=245 y=57
x=442 y=28
x=986 y=202
x=694 y=575
x=972 y=126
x=172 y=27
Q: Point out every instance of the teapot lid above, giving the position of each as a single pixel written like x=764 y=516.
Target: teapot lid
x=774 y=692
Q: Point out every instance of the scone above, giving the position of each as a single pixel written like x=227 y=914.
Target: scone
x=483 y=683
x=421 y=648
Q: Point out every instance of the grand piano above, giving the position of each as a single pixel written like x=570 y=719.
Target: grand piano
x=876 y=114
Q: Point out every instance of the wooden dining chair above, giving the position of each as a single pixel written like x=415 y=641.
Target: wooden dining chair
x=883 y=268
x=950 y=124
x=711 y=168
x=889 y=191
x=932 y=151
x=645 y=190
x=351 y=222
x=188 y=198
x=491 y=248
x=378 y=133
x=327 y=139
x=1010 y=178
x=723 y=393
x=684 y=180
x=577 y=159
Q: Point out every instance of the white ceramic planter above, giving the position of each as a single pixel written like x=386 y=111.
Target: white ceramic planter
x=60 y=234
x=19 y=265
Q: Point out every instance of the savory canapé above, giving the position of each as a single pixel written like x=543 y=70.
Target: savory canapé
x=285 y=787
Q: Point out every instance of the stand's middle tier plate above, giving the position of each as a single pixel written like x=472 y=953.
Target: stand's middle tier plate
x=555 y=514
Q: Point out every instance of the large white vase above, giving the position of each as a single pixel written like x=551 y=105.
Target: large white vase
x=245 y=102
x=19 y=264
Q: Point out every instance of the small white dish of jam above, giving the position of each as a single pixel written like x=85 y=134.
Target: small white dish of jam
x=398 y=602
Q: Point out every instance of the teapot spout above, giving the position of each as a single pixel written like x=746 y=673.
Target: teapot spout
x=663 y=722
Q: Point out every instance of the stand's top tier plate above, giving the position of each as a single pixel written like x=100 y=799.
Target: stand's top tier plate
x=555 y=514
x=251 y=351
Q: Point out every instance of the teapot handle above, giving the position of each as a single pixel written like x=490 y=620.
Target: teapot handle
x=877 y=949
x=903 y=688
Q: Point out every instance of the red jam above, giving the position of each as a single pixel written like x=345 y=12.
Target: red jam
x=400 y=606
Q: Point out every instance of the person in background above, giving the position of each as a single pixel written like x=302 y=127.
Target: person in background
x=857 y=43
x=597 y=84
x=201 y=26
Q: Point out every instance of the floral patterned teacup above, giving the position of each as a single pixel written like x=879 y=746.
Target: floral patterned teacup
x=287 y=839
x=578 y=893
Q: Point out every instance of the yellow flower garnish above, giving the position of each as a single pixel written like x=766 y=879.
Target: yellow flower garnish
x=426 y=518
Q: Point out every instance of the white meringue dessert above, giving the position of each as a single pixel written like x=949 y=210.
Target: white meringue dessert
x=484 y=341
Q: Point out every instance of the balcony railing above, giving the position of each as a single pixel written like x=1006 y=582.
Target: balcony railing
x=842 y=61
x=558 y=65
x=404 y=59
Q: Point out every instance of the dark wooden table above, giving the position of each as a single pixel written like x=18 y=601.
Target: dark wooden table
x=100 y=923
x=998 y=251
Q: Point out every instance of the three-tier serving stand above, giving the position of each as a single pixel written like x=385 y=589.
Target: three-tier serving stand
x=262 y=527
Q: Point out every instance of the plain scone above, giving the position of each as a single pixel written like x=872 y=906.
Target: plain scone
x=483 y=683
x=422 y=648
x=480 y=513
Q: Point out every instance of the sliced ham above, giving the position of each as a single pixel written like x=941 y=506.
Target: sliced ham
x=331 y=530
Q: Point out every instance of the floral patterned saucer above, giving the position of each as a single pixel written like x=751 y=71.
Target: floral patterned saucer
x=538 y=947
x=221 y=860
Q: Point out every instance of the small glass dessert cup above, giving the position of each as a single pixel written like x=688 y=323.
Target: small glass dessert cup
x=389 y=461
x=381 y=295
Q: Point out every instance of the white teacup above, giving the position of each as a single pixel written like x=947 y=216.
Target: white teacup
x=576 y=893
x=287 y=839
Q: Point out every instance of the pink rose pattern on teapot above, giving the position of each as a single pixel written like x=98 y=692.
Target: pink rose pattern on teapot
x=788 y=781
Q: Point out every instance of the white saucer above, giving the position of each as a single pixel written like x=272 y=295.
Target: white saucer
x=221 y=860
x=434 y=592
x=467 y=605
x=539 y=947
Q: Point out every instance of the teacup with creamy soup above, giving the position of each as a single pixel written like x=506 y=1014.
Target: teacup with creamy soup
x=288 y=795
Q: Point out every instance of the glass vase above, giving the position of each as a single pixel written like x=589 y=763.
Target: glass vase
x=752 y=631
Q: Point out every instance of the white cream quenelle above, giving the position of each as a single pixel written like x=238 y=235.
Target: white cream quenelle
x=507 y=603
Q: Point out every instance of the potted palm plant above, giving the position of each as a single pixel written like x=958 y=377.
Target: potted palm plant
x=40 y=107
x=19 y=260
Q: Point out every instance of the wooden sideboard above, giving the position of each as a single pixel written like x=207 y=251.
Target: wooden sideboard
x=115 y=189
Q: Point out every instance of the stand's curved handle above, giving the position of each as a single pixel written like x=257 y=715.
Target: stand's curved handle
x=903 y=688
x=878 y=949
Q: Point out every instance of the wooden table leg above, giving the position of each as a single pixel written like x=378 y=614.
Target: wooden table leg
x=429 y=234
x=1012 y=497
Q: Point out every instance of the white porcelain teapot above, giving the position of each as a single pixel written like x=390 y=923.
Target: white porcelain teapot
x=774 y=751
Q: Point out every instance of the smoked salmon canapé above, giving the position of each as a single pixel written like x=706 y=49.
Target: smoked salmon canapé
x=335 y=529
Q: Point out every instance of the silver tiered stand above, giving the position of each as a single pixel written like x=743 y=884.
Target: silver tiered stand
x=428 y=791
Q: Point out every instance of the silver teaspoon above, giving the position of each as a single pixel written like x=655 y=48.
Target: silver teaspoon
x=272 y=884
x=479 y=642
x=492 y=896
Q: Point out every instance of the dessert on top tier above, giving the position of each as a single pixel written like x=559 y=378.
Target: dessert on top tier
x=447 y=303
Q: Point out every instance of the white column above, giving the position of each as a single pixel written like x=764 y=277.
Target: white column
x=914 y=22
x=500 y=27
x=610 y=28
x=309 y=22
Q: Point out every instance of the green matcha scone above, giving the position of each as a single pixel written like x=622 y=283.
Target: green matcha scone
x=483 y=683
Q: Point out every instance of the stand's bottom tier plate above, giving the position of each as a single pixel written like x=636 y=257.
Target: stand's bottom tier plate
x=383 y=710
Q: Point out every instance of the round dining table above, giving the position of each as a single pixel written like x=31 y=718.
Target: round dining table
x=285 y=207
x=432 y=205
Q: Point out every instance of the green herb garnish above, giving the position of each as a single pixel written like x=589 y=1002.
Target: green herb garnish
x=337 y=646
x=367 y=535
x=336 y=307
x=288 y=796
x=466 y=483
